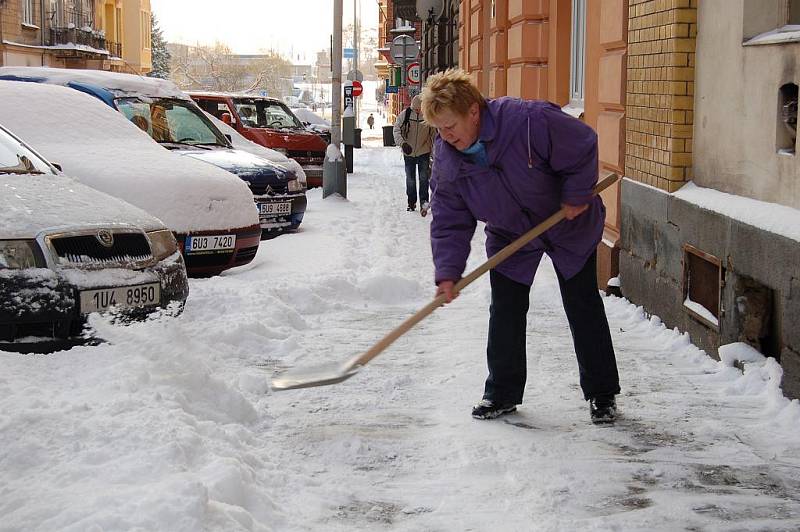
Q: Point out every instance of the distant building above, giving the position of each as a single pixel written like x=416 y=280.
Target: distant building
x=95 y=34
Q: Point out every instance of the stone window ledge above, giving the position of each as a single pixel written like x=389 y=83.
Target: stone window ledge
x=27 y=26
x=785 y=34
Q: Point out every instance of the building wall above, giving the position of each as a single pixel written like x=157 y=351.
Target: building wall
x=660 y=92
x=13 y=30
x=738 y=123
x=136 y=43
x=522 y=48
x=749 y=275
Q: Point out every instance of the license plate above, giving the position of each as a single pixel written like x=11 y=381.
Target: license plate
x=209 y=244
x=284 y=207
x=143 y=295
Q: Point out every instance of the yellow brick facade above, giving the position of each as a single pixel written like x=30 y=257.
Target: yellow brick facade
x=660 y=92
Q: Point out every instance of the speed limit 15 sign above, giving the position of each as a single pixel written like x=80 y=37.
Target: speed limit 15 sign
x=413 y=73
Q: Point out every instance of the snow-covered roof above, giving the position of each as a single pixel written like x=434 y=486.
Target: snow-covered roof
x=102 y=149
x=118 y=83
x=30 y=204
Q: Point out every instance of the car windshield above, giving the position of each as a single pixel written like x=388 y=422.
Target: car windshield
x=255 y=112
x=16 y=158
x=171 y=121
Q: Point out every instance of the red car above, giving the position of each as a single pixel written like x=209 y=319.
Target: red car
x=270 y=123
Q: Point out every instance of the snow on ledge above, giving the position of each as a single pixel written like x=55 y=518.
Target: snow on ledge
x=786 y=34
x=701 y=311
x=778 y=219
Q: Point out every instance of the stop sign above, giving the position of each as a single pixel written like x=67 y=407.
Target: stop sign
x=357 y=88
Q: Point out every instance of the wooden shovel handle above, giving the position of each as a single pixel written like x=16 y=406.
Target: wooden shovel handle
x=493 y=261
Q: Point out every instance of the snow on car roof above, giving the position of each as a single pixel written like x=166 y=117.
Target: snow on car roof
x=102 y=149
x=30 y=204
x=118 y=83
x=232 y=95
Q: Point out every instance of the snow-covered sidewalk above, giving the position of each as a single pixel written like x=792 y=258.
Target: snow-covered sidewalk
x=172 y=427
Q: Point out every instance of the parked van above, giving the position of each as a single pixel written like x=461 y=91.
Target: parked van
x=210 y=211
x=271 y=123
x=173 y=120
x=67 y=250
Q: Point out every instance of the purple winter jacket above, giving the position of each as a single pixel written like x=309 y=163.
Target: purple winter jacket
x=539 y=157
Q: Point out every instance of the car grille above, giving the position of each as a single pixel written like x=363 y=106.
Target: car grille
x=246 y=254
x=127 y=249
x=208 y=260
x=307 y=154
x=261 y=189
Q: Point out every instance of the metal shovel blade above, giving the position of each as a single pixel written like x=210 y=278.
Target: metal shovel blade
x=321 y=375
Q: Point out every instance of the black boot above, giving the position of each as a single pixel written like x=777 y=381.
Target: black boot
x=412 y=207
x=488 y=409
x=603 y=409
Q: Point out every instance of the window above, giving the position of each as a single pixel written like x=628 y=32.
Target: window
x=118 y=26
x=794 y=12
x=702 y=282
x=494 y=9
x=578 y=48
x=787 y=119
x=146 y=30
x=27 y=12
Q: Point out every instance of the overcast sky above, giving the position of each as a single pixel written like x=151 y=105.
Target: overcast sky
x=293 y=27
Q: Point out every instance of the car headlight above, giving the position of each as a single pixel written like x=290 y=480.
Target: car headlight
x=17 y=254
x=295 y=185
x=162 y=243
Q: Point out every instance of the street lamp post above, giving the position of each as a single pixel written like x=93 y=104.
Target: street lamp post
x=334 y=175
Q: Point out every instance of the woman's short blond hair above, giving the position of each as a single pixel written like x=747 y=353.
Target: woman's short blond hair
x=451 y=90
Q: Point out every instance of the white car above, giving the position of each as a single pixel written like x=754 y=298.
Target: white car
x=67 y=250
x=210 y=211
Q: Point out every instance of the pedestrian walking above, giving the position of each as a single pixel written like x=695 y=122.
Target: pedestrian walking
x=415 y=139
x=370 y=120
x=511 y=163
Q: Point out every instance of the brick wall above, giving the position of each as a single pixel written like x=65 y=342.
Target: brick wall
x=660 y=91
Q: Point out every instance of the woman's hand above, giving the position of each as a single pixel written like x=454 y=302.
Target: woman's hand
x=448 y=289
x=573 y=211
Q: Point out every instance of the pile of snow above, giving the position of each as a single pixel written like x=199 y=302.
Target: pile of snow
x=310 y=117
x=102 y=149
x=171 y=425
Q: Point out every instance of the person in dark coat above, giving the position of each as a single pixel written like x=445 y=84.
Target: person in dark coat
x=370 y=120
x=511 y=163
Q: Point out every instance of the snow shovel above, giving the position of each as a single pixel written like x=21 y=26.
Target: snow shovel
x=334 y=373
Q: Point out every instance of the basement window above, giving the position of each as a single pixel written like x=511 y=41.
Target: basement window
x=702 y=283
x=786 y=134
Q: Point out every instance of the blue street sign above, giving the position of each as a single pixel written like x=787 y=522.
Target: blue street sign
x=392 y=89
x=349 y=53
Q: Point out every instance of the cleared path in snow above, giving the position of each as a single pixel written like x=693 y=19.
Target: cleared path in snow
x=171 y=425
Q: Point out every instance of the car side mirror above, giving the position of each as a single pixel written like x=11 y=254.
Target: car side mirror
x=230 y=139
x=57 y=167
x=226 y=118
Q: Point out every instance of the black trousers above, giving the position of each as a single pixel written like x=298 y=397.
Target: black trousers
x=506 y=353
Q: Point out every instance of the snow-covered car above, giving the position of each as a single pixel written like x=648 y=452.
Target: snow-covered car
x=67 y=250
x=173 y=120
x=211 y=211
x=314 y=122
x=272 y=124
